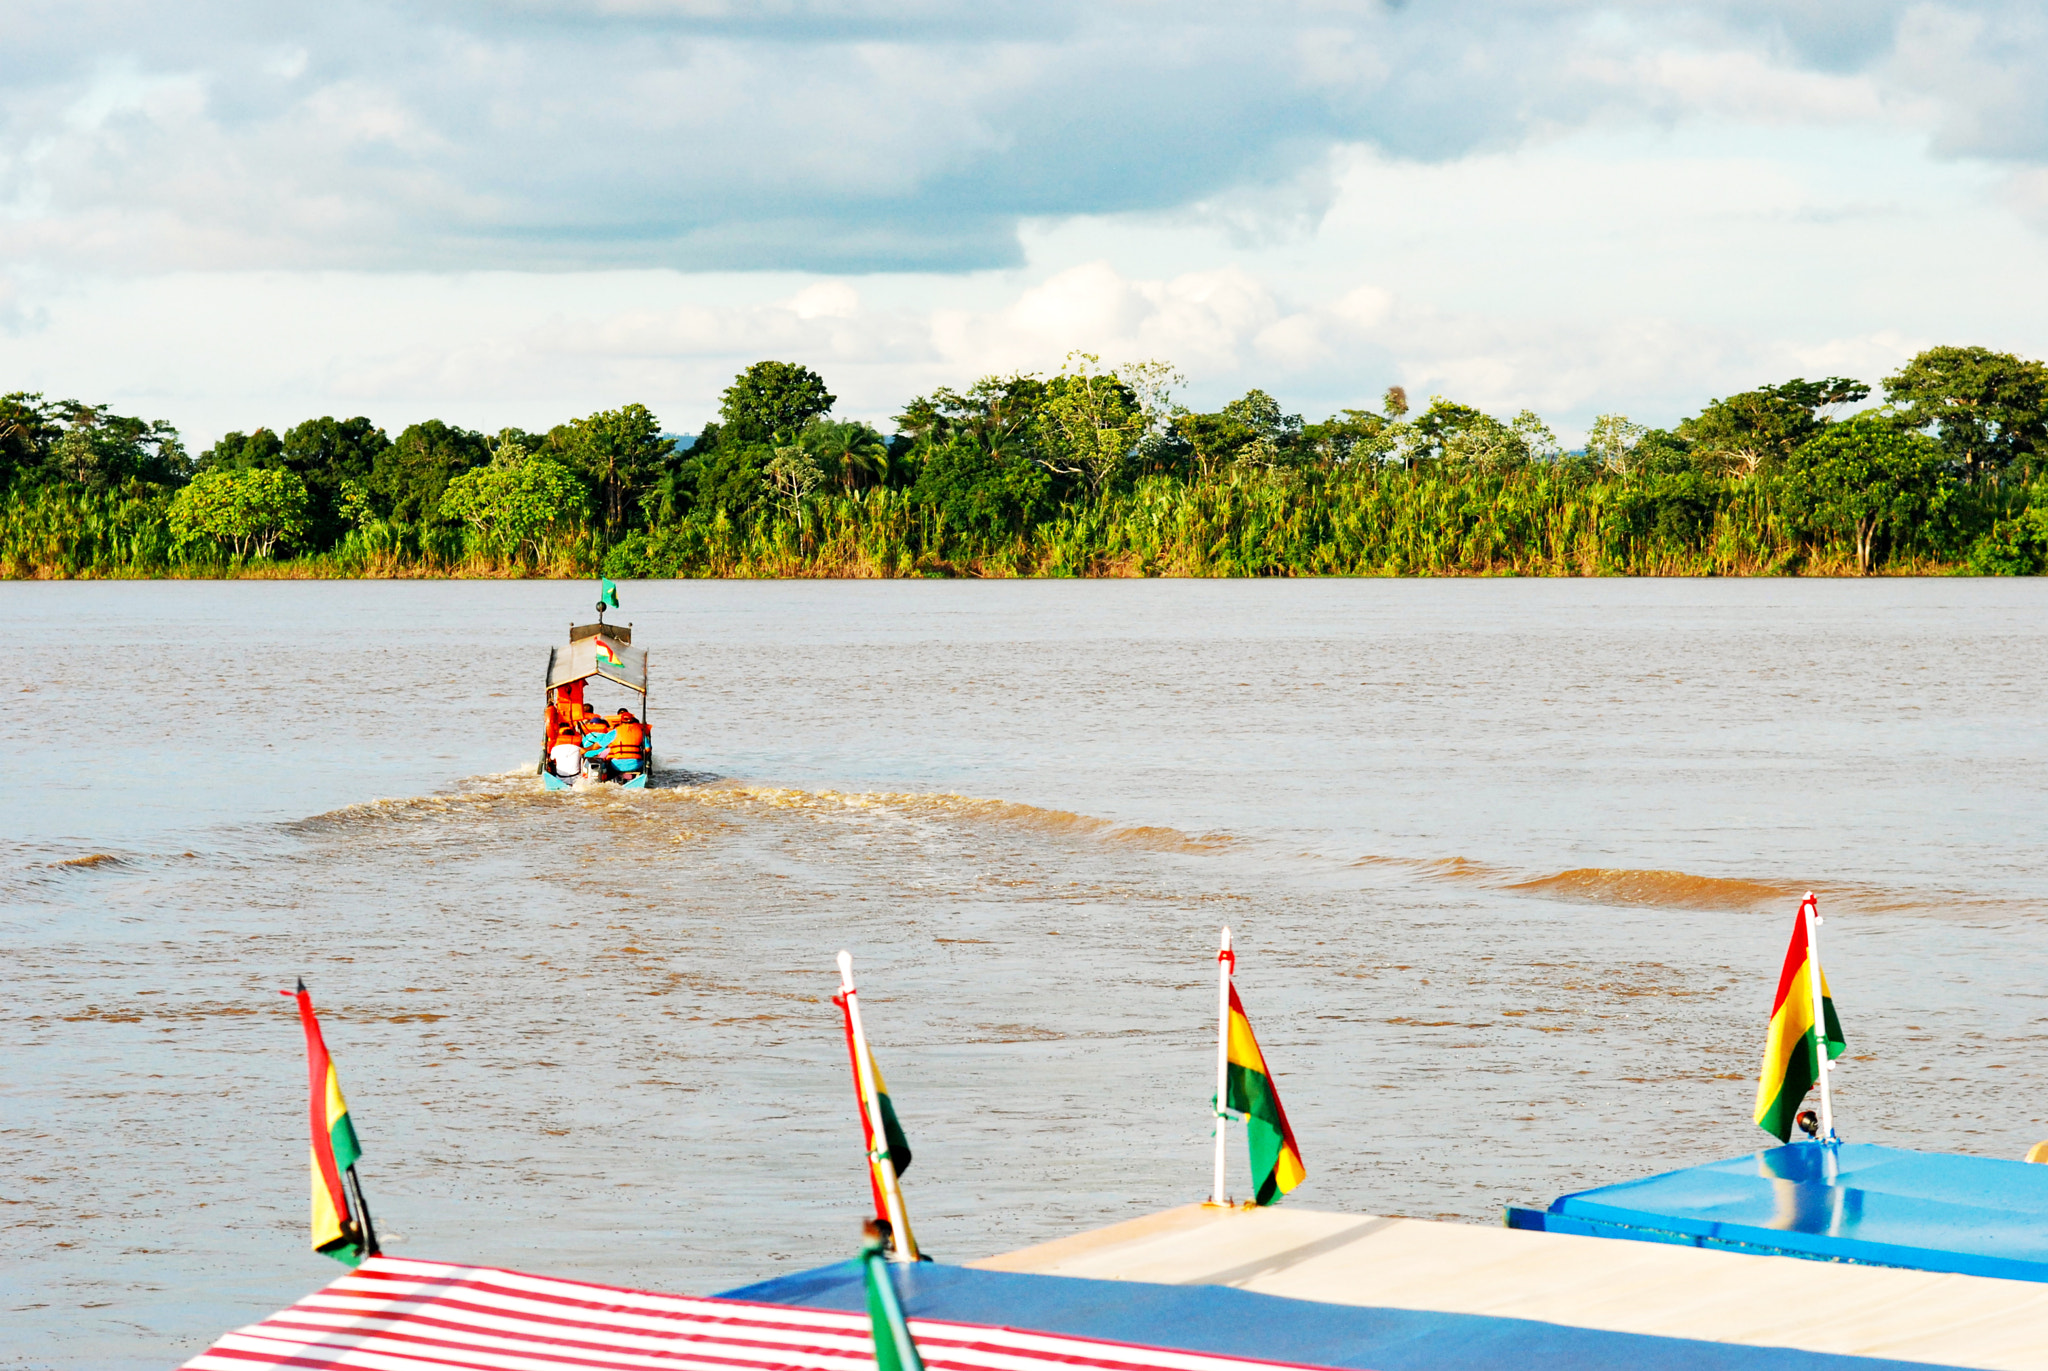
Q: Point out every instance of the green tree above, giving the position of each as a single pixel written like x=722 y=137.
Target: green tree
x=101 y=450
x=1352 y=435
x=730 y=477
x=239 y=451
x=1488 y=444
x=999 y=413
x=1760 y=428
x=772 y=401
x=1089 y=424
x=337 y=459
x=987 y=495
x=621 y=454
x=1251 y=430
x=29 y=429
x=1422 y=438
x=792 y=474
x=1868 y=480
x=251 y=509
x=1988 y=409
x=407 y=479
x=516 y=506
x=1612 y=442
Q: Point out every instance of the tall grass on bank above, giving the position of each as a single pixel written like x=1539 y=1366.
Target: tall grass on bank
x=1362 y=520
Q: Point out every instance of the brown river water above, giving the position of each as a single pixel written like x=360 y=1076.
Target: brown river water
x=1511 y=865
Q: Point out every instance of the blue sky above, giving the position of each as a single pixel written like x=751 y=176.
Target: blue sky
x=231 y=215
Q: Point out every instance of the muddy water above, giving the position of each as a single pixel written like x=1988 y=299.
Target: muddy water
x=1510 y=864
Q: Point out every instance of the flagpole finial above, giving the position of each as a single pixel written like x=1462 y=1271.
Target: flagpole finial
x=302 y=985
x=1226 y=938
x=845 y=970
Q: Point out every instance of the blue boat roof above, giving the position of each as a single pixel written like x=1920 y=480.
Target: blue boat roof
x=1238 y=1323
x=1853 y=1202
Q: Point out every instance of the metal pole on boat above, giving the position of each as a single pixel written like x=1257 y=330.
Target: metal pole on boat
x=1224 y=961
x=1810 y=911
x=904 y=1247
x=371 y=1247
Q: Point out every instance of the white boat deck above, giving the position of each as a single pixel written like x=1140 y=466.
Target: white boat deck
x=1624 y=1287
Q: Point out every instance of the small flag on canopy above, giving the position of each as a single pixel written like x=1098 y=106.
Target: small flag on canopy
x=1276 y=1158
x=607 y=593
x=607 y=655
x=1791 y=1055
x=1244 y=1086
x=340 y=1229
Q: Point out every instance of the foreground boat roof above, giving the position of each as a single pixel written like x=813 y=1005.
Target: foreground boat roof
x=1196 y=1289
x=1855 y=1202
x=394 y=1314
x=1753 y=1301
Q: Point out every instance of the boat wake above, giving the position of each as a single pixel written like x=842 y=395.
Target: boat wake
x=708 y=791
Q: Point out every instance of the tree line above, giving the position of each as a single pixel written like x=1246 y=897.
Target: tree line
x=1093 y=470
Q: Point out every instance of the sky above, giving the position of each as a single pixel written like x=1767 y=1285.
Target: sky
x=513 y=212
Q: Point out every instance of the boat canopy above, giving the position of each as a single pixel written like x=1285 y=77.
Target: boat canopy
x=618 y=661
x=1842 y=1202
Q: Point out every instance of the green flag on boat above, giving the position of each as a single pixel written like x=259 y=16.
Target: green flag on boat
x=895 y=1350
x=607 y=593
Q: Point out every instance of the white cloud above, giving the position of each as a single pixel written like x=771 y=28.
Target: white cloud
x=513 y=213
x=857 y=136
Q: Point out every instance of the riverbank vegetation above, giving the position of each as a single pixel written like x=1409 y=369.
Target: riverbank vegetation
x=1089 y=472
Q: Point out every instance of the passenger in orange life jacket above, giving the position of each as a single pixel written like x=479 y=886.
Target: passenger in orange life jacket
x=629 y=741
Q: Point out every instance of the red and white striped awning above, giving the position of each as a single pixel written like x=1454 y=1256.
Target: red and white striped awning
x=393 y=1314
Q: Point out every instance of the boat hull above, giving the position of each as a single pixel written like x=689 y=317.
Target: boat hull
x=550 y=781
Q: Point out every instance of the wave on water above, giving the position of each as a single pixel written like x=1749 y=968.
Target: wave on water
x=91 y=860
x=1604 y=885
x=1665 y=889
x=1660 y=889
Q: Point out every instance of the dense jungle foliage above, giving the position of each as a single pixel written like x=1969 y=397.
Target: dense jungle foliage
x=1089 y=472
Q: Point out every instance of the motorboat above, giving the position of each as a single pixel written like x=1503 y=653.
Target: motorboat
x=579 y=745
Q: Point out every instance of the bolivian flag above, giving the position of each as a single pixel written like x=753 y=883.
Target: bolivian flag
x=894 y=1146
x=606 y=656
x=1790 y=1061
x=335 y=1229
x=1276 y=1160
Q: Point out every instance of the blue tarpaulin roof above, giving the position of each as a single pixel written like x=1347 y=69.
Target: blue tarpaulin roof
x=1238 y=1323
x=1855 y=1202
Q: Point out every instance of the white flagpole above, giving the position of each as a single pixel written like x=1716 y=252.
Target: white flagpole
x=1223 y=961
x=904 y=1247
x=1810 y=911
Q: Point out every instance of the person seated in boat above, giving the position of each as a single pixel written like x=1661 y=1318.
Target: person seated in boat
x=565 y=753
x=628 y=747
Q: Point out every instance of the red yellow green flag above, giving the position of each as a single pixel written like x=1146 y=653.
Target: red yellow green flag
x=893 y=1150
x=336 y=1230
x=1276 y=1160
x=1791 y=1060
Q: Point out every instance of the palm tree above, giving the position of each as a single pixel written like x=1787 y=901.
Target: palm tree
x=853 y=452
